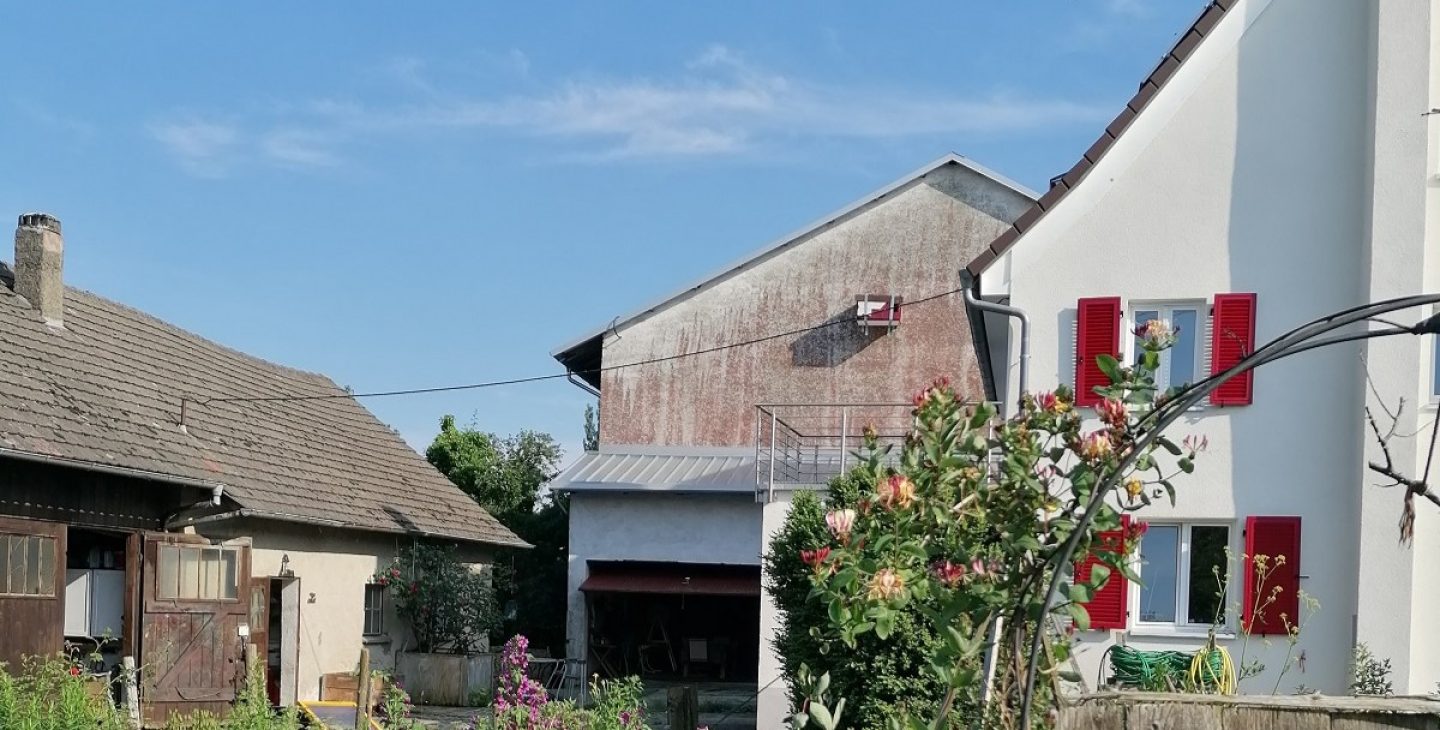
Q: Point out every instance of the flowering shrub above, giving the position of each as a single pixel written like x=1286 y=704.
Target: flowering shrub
x=393 y=710
x=521 y=703
x=448 y=607
x=971 y=518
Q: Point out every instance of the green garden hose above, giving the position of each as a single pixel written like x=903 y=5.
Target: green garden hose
x=1207 y=670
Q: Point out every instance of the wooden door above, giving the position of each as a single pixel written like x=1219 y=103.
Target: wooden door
x=259 y=620
x=32 y=588
x=195 y=612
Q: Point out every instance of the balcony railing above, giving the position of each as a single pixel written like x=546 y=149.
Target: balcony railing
x=804 y=446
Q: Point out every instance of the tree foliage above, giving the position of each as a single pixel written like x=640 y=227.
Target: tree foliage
x=506 y=476
x=448 y=606
x=592 y=428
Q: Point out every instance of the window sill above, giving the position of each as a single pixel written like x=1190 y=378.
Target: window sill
x=374 y=639
x=1178 y=632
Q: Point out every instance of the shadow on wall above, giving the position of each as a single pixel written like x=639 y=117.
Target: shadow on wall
x=840 y=339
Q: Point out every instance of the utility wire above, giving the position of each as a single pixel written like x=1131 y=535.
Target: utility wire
x=555 y=376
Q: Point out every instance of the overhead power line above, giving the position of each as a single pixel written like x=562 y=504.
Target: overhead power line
x=553 y=376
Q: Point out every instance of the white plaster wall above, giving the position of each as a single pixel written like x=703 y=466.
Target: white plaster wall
x=1245 y=174
x=655 y=526
x=332 y=567
x=772 y=706
x=1401 y=227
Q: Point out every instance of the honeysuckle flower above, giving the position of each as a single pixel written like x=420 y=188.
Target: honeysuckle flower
x=1096 y=446
x=922 y=397
x=1195 y=445
x=1133 y=487
x=841 y=522
x=1114 y=412
x=977 y=567
x=815 y=558
x=1051 y=403
x=895 y=492
x=1156 y=333
x=948 y=572
x=886 y=584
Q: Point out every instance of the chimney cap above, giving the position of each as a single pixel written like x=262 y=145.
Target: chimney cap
x=40 y=220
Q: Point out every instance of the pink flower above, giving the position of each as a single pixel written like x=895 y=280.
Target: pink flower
x=886 y=584
x=895 y=492
x=1051 y=403
x=841 y=522
x=1196 y=445
x=1114 y=412
x=922 y=397
x=815 y=558
x=1096 y=446
x=948 y=573
x=1156 y=332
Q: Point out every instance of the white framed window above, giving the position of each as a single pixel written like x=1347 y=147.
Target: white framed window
x=374 y=609
x=1179 y=365
x=1184 y=574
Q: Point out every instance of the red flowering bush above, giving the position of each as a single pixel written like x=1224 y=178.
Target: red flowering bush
x=448 y=606
x=969 y=519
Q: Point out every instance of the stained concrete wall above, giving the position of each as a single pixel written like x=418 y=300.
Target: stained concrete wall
x=332 y=568
x=911 y=243
x=1150 y=711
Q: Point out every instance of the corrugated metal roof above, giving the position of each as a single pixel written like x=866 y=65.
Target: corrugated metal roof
x=672 y=471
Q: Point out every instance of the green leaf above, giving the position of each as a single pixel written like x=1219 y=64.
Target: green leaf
x=1152 y=360
x=1070 y=675
x=884 y=624
x=1111 y=367
x=839 y=614
x=1169 y=445
x=822 y=716
x=1099 y=575
x=1079 y=615
x=1185 y=464
x=1081 y=593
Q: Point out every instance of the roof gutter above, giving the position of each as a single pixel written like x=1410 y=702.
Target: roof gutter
x=245 y=512
x=971 y=284
x=115 y=470
x=570 y=376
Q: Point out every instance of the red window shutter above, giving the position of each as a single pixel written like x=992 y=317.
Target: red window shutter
x=1110 y=605
x=1232 y=337
x=1097 y=332
x=1272 y=537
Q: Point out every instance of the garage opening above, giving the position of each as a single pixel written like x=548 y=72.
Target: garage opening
x=673 y=620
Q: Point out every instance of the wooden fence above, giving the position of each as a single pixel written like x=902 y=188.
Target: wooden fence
x=1149 y=711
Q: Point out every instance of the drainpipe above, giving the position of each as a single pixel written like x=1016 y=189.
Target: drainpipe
x=971 y=285
x=570 y=376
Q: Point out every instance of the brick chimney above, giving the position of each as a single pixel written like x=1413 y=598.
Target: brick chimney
x=39 y=262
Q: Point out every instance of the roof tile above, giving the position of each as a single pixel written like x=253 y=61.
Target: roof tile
x=107 y=388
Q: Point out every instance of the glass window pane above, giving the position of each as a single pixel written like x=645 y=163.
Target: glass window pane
x=1141 y=317
x=4 y=564
x=189 y=573
x=1159 y=556
x=229 y=574
x=46 y=577
x=1435 y=367
x=210 y=573
x=1182 y=355
x=167 y=578
x=32 y=566
x=1208 y=573
x=18 y=562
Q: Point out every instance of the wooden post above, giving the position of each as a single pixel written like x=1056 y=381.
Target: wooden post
x=362 y=693
x=683 y=707
x=132 y=690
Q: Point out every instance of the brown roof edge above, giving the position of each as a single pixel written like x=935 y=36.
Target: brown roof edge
x=1061 y=185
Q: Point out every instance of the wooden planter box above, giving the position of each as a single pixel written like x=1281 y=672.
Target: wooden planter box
x=345 y=687
x=446 y=679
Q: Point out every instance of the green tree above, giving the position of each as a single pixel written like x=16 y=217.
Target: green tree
x=592 y=428
x=507 y=476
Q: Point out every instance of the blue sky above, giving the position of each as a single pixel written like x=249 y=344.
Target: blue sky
x=402 y=197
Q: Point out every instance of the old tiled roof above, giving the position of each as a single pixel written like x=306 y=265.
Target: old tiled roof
x=1062 y=185
x=106 y=390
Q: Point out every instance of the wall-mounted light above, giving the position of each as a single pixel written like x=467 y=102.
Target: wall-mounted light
x=285 y=570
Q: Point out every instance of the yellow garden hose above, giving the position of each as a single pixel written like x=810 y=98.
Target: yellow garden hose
x=1212 y=668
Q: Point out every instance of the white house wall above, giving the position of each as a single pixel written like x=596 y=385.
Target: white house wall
x=655 y=527
x=1243 y=174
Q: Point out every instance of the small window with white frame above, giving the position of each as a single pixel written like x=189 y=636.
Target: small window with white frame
x=1184 y=572
x=374 y=609
x=1180 y=364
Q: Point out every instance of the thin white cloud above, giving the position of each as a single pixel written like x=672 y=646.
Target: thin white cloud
x=720 y=103
x=298 y=148
x=203 y=148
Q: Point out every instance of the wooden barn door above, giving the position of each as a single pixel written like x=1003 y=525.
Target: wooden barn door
x=195 y=603
x=32 y=588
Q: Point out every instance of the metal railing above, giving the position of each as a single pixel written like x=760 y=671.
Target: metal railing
x=805 y=445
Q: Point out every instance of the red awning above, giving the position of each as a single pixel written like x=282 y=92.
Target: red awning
x=673 y=579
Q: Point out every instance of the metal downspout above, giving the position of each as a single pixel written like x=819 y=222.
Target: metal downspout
x=570 y=376
x=971 y=285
